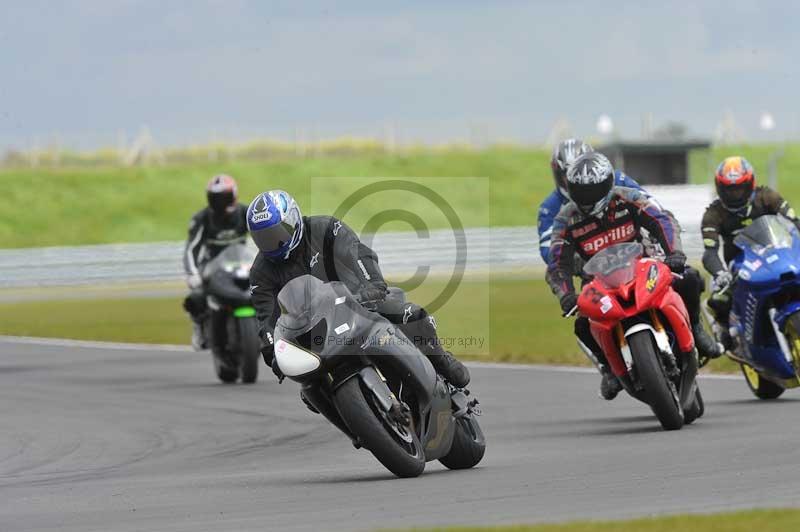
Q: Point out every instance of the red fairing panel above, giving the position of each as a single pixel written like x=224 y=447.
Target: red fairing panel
x=675 y=311
x=596 y=304
x=653 y=279
x=604 y=336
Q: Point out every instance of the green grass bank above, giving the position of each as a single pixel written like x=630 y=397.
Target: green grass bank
x=107 y=204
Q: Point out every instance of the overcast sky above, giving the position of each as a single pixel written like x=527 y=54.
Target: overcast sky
x=83 y=71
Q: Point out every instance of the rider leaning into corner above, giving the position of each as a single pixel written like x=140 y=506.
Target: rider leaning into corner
x=738 y=203
x=211 y=230
x=599 y=215
x=292 y=245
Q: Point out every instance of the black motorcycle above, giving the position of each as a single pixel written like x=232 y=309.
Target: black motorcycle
x=363 y=374
x=231 y=326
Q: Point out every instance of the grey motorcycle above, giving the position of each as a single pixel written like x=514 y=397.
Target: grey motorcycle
x=362 y=373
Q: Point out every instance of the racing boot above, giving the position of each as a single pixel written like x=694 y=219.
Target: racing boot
x=450 y=368
x=706 y=346
x=609 y=385
x=199 y=341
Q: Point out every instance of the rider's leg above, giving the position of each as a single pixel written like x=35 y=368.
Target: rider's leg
x=195 y=305
x=420 y=328
x=609 y=385
x=720 y=305
x=689 y=287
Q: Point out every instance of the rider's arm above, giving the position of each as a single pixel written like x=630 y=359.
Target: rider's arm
x=661 y=225
x=264 y=292
x=354 y=255
x=562 y=254
x=775 y=204
x=547 y=212
x=710 y=226
x=194 y=242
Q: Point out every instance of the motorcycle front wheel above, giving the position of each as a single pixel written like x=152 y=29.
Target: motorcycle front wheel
x=396 y=447
x=661 y=394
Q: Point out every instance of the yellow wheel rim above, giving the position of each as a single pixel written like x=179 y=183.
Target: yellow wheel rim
x=751 y=375
x=794 y=345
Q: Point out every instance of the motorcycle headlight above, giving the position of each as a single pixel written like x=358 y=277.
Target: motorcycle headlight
x=294 y=361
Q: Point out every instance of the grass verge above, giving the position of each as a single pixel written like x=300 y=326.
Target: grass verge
x=761 y=520
x=145 y=204
x=505 y=320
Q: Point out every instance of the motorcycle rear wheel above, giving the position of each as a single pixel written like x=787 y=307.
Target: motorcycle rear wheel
x=660 y=392
x=468 y=445
x=697 y=409
x=761 y=387
x=367 y=423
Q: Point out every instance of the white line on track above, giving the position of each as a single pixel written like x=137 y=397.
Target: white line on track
x=65 y=342
x=91 y=344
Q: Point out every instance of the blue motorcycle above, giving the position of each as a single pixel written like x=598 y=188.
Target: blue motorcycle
x=765 y=318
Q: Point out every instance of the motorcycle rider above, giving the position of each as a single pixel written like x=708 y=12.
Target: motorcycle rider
x=601 y=214
x=564 y=154
x=739 y=202
x=211 y=230
x=292 y=245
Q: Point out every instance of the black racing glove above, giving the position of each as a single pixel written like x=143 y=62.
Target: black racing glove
x=676 y=261
x=268 y=352
x=371 y=296
x=568 y=302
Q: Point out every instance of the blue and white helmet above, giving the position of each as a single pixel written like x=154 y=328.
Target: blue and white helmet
x=275 y=223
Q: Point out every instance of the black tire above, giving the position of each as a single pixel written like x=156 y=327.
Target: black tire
x=468 y=446
x=697 y=409
x=225 y=373
x=249 y=344
x=761 y=387
x=366 y=423
x=660 y=392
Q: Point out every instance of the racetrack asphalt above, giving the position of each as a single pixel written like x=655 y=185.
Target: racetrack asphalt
x=96 y=437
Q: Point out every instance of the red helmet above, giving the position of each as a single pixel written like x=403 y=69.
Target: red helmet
x=735 y=181
x=222 y=193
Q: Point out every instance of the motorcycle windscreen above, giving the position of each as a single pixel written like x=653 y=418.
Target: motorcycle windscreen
x=765 y=233
x=615 y=265
x=304 y=302
x=233 y=257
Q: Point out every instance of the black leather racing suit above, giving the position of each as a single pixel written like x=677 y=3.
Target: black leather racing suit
x=209 y=234
x=629 y=212
x=331 y=251
x=720 y=223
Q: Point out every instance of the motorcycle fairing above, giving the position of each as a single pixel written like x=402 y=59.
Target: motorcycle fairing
x=652 y=288
x=763 y=275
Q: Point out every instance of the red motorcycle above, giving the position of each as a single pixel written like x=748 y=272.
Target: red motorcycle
x=643 y=328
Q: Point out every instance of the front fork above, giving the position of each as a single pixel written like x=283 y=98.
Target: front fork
x=686 y=376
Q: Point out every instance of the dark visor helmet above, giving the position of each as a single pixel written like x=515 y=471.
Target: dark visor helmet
x=275 y=223
x=590 y=183
x=564 y=154
x=222 y=194
x=735 y=181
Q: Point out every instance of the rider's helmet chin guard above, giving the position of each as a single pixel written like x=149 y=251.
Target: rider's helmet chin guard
x=275 y=223
x=222 y=193
x=564 y=154
x=735 y=181
x=590 y=183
